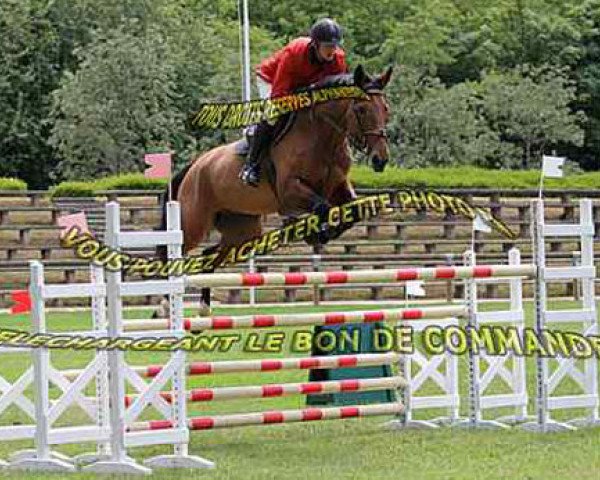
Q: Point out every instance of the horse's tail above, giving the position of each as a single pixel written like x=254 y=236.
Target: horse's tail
x=161 y=250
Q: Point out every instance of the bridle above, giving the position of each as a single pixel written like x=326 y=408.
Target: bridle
x=361 y=143
x=358 y=142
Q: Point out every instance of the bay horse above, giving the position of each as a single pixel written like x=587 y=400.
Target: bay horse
x=309 y=170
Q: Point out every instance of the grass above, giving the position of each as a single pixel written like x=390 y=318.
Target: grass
x=352 y=449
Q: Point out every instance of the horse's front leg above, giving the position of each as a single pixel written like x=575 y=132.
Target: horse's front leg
x=298 y=197
x=341 y=194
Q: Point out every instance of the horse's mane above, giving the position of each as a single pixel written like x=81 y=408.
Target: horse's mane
x=343 y=80
x=340 y=80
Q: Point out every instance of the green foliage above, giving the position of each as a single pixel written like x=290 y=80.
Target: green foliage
x=363 y=176
x=12 y=184
x=532 y=109
x=72 y=189
x=439 y=126
x=87 y=87
x=137 y=85
x=205 y=58
x=130 y=181
x=509 y=33
x=121 y=100
x=421 y=38
x=29 y=71
x=508 y=120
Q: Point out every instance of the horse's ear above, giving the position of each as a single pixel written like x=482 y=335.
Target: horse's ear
x=360 y=77
x=385 y=78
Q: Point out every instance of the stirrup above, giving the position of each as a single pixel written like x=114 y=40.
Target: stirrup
x=250 y=176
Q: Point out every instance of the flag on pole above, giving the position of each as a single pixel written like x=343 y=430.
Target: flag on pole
x=159 y=165
x=22 y=302
x=66 y=222
x=415 y=288
x=479 y=224
x=553 y=166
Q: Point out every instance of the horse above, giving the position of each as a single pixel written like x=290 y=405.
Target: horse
x=307 y=170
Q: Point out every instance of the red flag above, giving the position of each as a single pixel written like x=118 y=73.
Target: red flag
x=22 y=301
x=74 y=220
x=160 y=165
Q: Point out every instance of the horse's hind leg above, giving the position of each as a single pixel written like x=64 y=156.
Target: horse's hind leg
x=235 y=229
x=205 y=309
x=195 y=230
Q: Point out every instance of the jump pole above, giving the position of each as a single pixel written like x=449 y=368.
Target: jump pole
x=215 y=280
x=300 y=319
x=278 y=416
x=286 y=389
x=276 y=364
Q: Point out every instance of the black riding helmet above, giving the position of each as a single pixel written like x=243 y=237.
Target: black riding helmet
x=326 y=32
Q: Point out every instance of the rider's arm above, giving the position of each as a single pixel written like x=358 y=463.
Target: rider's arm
x=283 y=82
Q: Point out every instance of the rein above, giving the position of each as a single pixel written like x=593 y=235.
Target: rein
x=361 y=143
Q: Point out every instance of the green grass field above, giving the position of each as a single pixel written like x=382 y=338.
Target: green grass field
x=353 y=449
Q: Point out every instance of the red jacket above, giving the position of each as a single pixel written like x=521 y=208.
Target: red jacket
x=291 y=67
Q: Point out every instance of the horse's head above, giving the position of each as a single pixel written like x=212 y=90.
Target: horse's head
x=370 y=117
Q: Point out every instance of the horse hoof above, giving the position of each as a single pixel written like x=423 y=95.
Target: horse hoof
x=205 y=311
x=162 y=310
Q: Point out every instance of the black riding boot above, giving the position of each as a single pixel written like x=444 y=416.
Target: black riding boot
x=250 y=172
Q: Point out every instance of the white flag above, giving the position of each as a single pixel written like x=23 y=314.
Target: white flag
x=415 y=288
x=481 y=225
x=552 y=166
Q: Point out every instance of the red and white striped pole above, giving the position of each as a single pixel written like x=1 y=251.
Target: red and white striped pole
x=299 y=319
x=278 y=416
x=279 y=390
x=236 y=366
x=210 y=280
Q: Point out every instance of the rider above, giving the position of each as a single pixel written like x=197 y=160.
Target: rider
x=302 y=62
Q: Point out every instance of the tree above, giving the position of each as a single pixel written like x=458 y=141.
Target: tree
x=531 y=108
x=119 y=103
x=433 y=125
x=421 y=38
x=29 y=70
x=587 y=74
x=205 y=57
x=59 y=107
